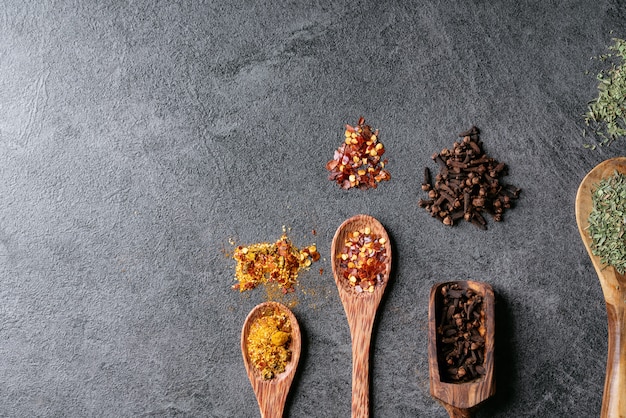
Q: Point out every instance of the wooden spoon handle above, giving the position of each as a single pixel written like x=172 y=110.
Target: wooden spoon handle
x=614 y=400
x=361 y=331
x=271 y=406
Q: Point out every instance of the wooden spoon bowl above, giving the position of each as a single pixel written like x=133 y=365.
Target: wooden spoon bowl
x=461 y=399
x=271 y=394
x=360 y=307
x=614 y=289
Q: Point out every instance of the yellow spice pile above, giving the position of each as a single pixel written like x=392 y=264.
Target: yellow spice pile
x=265 y=262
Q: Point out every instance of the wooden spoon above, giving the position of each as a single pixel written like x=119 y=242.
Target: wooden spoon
x=360 y=308
x=461 y=399
x=614 y=289
x=271 y=394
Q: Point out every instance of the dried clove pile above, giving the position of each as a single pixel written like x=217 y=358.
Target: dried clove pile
x=468 y=184
x=460 y=334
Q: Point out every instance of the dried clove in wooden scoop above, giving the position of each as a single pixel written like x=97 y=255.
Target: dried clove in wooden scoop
x=461 y=334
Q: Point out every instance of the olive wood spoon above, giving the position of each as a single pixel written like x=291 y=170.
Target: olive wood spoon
x=614 y=289
x=271 y=394
x=461 y=399
x=360 y=308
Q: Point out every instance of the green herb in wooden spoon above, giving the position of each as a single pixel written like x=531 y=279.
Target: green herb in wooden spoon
x=606 y=116
x=607 y=221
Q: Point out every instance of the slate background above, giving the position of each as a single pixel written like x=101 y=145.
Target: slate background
x=140 y=139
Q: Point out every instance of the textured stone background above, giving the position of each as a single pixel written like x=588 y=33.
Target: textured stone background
x=140 y=138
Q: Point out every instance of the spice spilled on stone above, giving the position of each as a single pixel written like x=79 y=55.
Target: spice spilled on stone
x=269 y=341
x=607 y=221
x=362 y=259
x=358 y=162
x=606 y=115
x=468 y=184
x=265 y=262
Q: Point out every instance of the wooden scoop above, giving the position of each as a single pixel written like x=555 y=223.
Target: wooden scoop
x=271 y=394
x=614 y=289
x=360 y=308
x=461 y=399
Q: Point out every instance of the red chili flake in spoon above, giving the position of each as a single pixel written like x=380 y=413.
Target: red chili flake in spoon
x=363 y=260
x=358 y=161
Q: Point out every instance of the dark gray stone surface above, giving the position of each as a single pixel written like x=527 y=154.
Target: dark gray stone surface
x=140 y=138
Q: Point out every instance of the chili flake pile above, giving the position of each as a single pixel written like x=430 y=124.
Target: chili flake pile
x=363 y=260
x=278 y=262
x=268 y=343
x=357 y=162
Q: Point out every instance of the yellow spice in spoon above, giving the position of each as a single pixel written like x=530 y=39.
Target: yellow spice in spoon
x=268 y=343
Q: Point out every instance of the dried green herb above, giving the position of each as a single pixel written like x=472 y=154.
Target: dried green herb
x=607 y=222
x=606 y=116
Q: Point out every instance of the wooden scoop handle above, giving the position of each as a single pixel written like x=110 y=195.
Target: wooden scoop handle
x=614 y=401
x=455 y=412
